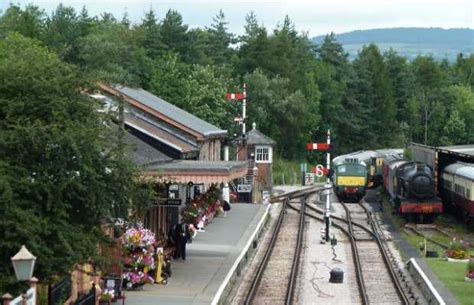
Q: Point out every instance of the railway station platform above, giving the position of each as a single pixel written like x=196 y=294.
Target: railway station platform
x=209 y=259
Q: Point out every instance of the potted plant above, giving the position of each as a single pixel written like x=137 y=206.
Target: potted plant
x=470 y=271
x=457 y=251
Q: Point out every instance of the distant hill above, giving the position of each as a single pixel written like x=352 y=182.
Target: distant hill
x=410 y=42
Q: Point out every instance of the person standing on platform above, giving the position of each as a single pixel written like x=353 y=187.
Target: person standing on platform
x=182 y=237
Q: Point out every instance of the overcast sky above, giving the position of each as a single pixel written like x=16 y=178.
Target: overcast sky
x=313 y=16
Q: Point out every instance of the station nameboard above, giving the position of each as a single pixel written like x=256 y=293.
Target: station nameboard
x=172 y=201
x=244 y=188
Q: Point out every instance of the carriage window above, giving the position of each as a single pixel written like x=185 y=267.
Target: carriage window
x=447 y=184
x=341 y=169
x=459 y=189
x=468 y=193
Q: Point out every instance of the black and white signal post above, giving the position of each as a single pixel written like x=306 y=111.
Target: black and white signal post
x=325 y=147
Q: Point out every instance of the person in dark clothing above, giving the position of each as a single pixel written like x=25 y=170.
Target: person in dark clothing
x=226 y=207
x=182 y=237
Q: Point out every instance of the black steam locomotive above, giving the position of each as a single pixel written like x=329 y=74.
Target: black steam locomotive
x=410 y=186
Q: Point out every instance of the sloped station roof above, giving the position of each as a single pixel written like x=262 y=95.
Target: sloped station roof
x=171 y=111
x=155 y=164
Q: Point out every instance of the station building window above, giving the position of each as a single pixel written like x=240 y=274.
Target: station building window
x=263 y=154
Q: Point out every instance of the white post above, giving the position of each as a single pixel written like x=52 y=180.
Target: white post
x=328 y=156
x=244 y=103
x=226 y=153
x=327 y=209
x=225 y=189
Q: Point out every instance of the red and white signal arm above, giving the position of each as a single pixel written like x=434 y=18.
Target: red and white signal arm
x=235 y=96
x=318 y=146
x=238 y=120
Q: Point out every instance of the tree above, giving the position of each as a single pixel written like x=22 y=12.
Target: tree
x=220 y=40
x=429 y=79
x=28 y=22
x=62 y=173
x=374 y=90
x=174 y=33
x=403 y=82
x=149 y=35
x=254 y=51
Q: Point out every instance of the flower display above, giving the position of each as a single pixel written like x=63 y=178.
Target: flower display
x=202 y=207
x=138 y=260
x=457 y=250
x=138 y=237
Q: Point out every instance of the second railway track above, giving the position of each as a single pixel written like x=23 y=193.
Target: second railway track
x=275 y=279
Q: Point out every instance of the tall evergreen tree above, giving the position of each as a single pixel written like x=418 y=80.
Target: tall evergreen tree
x=174 y=33
x=375 y=92
x=220 y=40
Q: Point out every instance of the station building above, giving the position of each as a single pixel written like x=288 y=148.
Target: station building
x=179 y=151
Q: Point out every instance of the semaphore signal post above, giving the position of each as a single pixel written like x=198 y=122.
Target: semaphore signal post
x=325 y=147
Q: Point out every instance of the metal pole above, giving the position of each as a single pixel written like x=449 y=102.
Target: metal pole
x=225 y=189
x=328 y=156
x=244 y=104
x=327 y=210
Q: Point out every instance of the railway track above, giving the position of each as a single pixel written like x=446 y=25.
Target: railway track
x=380 y=280
x=376 y=274
x=275 y=279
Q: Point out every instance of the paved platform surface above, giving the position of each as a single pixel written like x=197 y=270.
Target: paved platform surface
x=209 y=258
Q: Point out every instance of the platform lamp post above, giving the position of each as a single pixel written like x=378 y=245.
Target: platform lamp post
x=23 y=264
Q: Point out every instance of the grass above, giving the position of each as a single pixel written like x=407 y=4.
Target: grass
x=452 y=275
x=286 y=172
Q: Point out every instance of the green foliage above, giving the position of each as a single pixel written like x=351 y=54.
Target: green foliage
x=286 y=171
x=61 y=172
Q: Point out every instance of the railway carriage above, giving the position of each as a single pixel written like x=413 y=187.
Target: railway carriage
x=359 y=170
x=457 y=181
x=410 y=186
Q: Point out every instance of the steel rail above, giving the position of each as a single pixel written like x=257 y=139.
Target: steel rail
x=298 y=193
x=261 y=268
x=319 y=211
x=393 y=274
x=355 y=254
x=290 y=292
x=360 y=276
x=263 y=264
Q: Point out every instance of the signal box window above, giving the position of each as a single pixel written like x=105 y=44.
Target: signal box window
x=263 y=154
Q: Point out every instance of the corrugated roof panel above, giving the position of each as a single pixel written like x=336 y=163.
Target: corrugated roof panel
x=461 y=149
